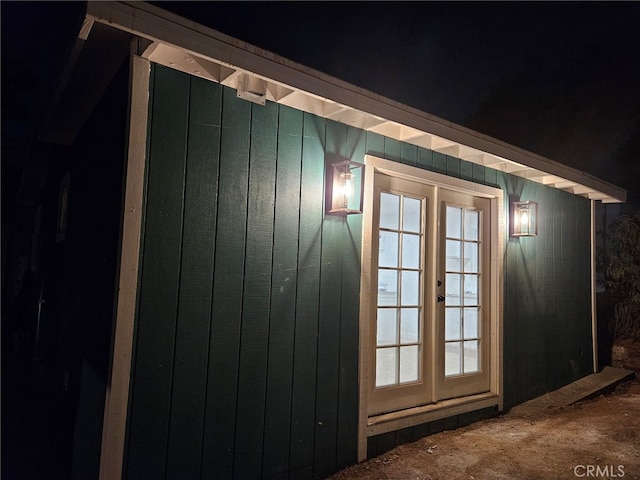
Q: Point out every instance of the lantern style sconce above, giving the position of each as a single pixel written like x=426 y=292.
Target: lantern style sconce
x=346 y=187
x=525 y=219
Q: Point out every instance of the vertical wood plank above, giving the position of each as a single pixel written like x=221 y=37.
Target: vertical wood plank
x=560 y=248
x=393 y=149
x=375 y=144
x=409 y=154
x=540 y=289
x=439 y=162
x=510 y=346
x=464 y=419
x=491 y=176
x=584 y=232
x=425 y=158
x=252 y=376
x=349 y=326
x=283 y=295
x=545 y=264
x=450 y=423
x=420 y=431
x=478 y=173
x=329 y=322
x=196 y=276
x=228 y=282
x=154 y=350
x=436 y=426
x=303 y=401
x=453 y=166
x=372 y=447
x=549 y=260
x=527 y=282
x=553 y=324
x=385 y=442
x=466 y=170
x=403 y=436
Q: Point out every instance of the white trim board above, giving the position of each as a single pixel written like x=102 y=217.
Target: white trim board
x=187 y=46
x=117 y=395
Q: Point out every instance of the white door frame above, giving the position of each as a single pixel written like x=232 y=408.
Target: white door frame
x=369 y=426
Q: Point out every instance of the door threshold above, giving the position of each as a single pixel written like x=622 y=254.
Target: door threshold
x=410 y=417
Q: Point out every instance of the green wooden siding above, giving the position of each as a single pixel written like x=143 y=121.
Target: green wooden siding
x=151 y=392
x=196 y=276
x=379 y=444
x=547 y=299
x=246 y=339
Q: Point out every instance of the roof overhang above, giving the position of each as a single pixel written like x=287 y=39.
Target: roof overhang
x=91 y=65
x=184 y=45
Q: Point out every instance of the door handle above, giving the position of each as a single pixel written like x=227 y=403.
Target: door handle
x=441 y=298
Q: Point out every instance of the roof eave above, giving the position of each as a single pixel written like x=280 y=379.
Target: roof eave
x=198 y=50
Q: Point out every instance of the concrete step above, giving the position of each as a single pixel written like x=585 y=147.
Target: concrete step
x=586 y=387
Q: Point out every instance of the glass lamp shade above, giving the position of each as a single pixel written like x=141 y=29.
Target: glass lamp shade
x=525 y=219
x=346 y=187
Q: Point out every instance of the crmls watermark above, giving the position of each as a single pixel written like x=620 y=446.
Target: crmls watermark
x=599 y=471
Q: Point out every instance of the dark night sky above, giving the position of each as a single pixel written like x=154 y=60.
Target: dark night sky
x=559 y=79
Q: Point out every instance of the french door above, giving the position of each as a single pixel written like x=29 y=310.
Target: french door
x=430 y=325
x=463 y=324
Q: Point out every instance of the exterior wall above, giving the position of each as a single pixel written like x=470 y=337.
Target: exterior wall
x=547 y=316
x=246 y=341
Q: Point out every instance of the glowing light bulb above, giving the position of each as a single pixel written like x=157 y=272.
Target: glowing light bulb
x=347 y=186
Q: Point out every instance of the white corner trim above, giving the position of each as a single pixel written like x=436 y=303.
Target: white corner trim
x=117 y=396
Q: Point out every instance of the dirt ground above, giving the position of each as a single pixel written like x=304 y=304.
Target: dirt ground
x=597 y=438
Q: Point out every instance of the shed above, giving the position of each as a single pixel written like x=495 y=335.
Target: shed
x=256 y=333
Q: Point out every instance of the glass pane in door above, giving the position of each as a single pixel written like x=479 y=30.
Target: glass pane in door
x=386 y=367
x=462 y=291
x=411 y=214
x=409 y=367
x=387 y=328
x=410 y=251
x=409 y=325
x=400 y=290
x=388 y=249
x=389 y=210
x=387 y=287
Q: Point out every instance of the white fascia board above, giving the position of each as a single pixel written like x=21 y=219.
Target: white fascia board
x=311 y=91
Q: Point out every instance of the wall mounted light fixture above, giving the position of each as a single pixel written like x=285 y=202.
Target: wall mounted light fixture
x=346 y=187
x=525 y=219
